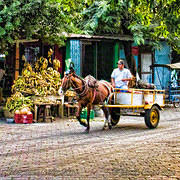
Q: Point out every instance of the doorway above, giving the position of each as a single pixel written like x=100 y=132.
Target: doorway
x=88 y=62
x=97 y=59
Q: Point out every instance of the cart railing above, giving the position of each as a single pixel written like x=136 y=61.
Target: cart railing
x=139 y=97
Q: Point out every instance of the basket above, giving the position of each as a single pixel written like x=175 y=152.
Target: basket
x=8 y=114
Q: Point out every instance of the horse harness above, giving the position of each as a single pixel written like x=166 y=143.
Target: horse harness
x=83 y=93
x=85 y=86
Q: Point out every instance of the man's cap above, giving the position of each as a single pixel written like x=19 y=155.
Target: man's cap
x=120 y=61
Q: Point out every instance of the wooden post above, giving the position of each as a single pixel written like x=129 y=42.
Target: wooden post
x=35 y=112
x=17 y=61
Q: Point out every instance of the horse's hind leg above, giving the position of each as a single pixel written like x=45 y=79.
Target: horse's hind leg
x=107 y=118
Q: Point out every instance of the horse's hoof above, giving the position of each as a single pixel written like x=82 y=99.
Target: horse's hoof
x=105 y=128
x=110 y=126
x=87 y=130
x=83 y=123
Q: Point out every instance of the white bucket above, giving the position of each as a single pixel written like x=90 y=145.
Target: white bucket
x=123 y=98
x=159 y=99
x=148 y=98
x=126 y=98
x=137 y=98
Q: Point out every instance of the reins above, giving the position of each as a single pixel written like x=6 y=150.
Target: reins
x=83 y=93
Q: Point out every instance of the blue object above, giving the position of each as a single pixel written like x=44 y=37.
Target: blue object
x=67 y=72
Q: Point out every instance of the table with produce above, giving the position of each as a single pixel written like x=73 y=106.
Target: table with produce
x=38 y=85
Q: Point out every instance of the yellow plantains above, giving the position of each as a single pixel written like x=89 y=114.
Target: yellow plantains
x=41 y=81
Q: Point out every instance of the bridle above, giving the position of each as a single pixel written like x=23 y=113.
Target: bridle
x=72 y=84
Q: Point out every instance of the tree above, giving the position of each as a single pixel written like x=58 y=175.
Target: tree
x=46 y=20
x=141 y=19
x=158 y=18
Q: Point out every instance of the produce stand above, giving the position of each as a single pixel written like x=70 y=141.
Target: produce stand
x=36 y=89
x=45 y=104
x=70 y=109
x=70 y=103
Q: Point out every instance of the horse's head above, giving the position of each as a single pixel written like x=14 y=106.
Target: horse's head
x=66 y=81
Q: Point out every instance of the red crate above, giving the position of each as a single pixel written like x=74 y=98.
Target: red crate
x=23 y=118
x=17 y=118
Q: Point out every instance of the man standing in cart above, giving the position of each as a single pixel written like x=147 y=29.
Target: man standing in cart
x=121 y=76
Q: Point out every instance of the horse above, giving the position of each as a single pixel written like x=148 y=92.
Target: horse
x=88 y=95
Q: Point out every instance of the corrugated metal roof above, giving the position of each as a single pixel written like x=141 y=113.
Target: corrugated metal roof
x=84 y=36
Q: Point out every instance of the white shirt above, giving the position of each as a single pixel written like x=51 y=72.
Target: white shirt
x=118 y=75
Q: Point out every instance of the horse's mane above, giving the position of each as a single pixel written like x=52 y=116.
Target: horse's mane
x=75 y=75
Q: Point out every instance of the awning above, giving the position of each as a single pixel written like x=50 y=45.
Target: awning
x=174 y=66
x=171 y=66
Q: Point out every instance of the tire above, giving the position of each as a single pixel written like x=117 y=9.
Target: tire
x=152 y=117
x=176 y=104
x=115 y=115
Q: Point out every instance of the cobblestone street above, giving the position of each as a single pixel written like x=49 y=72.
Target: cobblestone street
x=63 y=150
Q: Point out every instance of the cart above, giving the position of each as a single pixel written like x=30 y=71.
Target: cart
x=167 y=77
x=136 y=102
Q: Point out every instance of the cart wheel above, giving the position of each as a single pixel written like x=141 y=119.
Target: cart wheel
x=115 y=115
x=176 y=104
x=152 y=117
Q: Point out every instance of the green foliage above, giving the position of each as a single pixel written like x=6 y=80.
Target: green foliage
x=142 y=19
x=103 y=17
x=38 y=19
x=160 y=18
x=47 y=20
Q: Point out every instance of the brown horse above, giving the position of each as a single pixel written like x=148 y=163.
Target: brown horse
x=88 y=96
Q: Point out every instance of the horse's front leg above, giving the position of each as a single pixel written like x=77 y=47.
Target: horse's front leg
x=78 y=113
x=107 y=121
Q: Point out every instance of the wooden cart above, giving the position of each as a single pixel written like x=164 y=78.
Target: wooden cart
x=137 y=102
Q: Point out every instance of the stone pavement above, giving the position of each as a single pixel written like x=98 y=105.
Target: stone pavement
x=63 y=150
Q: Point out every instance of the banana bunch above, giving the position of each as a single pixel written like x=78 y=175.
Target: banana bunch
x=41 y=64
x=41 y=81
x=28 y=67
x=50 y=53
x=70 y=93
x=56 y=64
x=17 y=101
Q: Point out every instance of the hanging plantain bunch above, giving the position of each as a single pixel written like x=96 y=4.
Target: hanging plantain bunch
x=41 y=81
x=56 y=64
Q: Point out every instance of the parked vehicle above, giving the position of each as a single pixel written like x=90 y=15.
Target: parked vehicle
x=168 y=79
